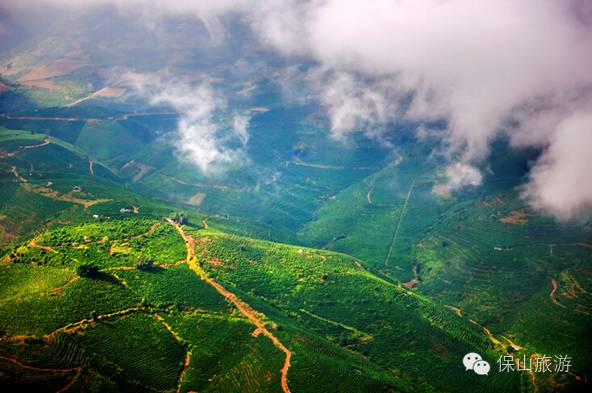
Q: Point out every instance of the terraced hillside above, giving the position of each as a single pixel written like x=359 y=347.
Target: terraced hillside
x=171 y=323
x=47 y=181
x=464 y=251
x=483 y=253
x=316 y=256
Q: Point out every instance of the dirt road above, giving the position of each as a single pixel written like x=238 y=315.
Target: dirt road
x=243 y=307
x=27 y=147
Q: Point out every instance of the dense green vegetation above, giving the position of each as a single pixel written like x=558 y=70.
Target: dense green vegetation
x=389 y=324
x=120 y=322
x=464 y=251
x=386 y=285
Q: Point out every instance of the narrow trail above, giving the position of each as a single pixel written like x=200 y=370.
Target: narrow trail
x=72 y=382
x=455 y=310
x=369 y=197
x=23 y=148
x=168 y=327
x=186 y=364
x=152 y=229
x=33 y=243
x=371 y=185
x=552 y=295
x=396 y=233
x=497 y=343
x=243 y=307
x=23 y=365
x=148 y=232
x=70 y=281
x=555 y=287
x=364 y=337
x=55 y=195
x=177 y=338
x=514 y=346
x=72 y=327
x=44 y=143
x=90 y=167
x=15 y=361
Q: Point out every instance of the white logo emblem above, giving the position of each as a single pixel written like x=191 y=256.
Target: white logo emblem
x=474 y=361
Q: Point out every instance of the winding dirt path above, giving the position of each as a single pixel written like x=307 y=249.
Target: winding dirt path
x=514 y=346
x=149 y=231
x=27 y=147
x=455 y=310
x=90 y=167
x=33 y=243
x=74 y=326
x=369 y=197
x=15 y=361
x=44 y=143
x=555 y=287
x=55 y=195
x=243 y=307
x=23 y=365
x=186 y=364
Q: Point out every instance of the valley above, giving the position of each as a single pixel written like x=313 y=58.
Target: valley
x=185 y=209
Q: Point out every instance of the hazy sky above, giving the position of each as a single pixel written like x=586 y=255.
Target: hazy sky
x=506 y=67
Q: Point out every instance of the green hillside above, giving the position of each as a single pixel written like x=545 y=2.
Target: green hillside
x=47 y=182
x=237 y=196
x=458 y=254
x=110 y=329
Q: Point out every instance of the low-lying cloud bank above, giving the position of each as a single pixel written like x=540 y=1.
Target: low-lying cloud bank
x=202 y=140
x=515 y=68
x=560 y=182
x=506 y=67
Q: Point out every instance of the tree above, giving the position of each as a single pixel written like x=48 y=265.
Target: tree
x=87 y=270
x=144 y=264
x=344 y=340
x=180 y=217
x=184 y=218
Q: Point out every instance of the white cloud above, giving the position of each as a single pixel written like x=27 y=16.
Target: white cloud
x=199 y=137
x=510 y=67
x=355 y=104
x=560 y=182
x=519 y=68
x=459 y=175
x=240 y=124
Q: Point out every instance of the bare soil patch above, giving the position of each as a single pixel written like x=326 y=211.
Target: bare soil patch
x=517 y=217
x=197 y=199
